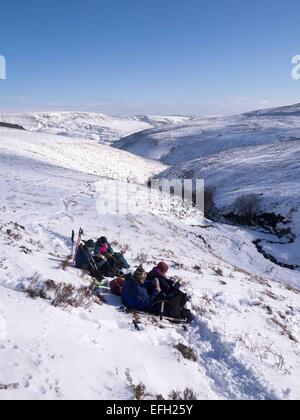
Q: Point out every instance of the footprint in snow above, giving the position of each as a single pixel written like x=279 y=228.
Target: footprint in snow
x=229 y=377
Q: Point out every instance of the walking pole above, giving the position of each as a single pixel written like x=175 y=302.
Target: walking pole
x=91 y=259
x=80 y=233
x=72 y=239
x=162 y=310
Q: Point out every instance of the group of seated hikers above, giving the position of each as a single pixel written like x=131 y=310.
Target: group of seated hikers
x=140 y=291
x=105 y=262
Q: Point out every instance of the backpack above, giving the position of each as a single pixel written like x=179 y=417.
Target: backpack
x=116 y=286
x=81 y=260
x=84 y=260
x=175 y=303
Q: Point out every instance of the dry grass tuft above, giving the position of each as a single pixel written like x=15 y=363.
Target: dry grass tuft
x=139 y=390
x=142 y=258
x=187 y=395
x=285 y=330
x=66 y=262
x=64 y=295
x=9 y=387
x=218 y=271
x=187 y=352
x=264 y=352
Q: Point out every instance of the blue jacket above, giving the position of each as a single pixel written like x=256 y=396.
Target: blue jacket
x=136 y=297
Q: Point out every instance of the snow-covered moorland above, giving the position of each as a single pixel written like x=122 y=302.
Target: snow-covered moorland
x=244 y=342
x=205 y=137
x=257 y=153
x=91 y=126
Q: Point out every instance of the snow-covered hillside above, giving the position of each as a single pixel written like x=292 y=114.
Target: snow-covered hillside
x=271 y=172
x=79 y=155
x=255 y=153
x=91 y=126
x=206 y=137
x=283 y=111
x=246 y=333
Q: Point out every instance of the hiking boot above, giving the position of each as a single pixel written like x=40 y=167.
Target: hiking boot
x=188 y=316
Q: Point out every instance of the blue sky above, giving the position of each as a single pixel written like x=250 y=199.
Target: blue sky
x=148 y=56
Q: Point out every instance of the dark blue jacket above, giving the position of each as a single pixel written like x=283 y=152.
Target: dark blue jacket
x=136 y=297
x=81 y=259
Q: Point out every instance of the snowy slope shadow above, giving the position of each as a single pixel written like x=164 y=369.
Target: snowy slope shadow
x=110 y=299
x=231 y=379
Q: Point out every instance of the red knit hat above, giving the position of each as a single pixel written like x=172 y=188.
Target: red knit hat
x=163 y=267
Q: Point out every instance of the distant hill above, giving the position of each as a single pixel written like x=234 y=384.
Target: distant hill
x=206 y=136
x=91 y=126
x=14 y=126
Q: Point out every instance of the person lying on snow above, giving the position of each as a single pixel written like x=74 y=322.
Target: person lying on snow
x=82 y=260
x=136 y=296
x=160 y=273
x=103 y=251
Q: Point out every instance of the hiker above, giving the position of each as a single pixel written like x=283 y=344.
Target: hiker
x=104 y=251
x=103 y=247
x=160 y=273
x=174 y=299
x=82 y=260
x=134 y=294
